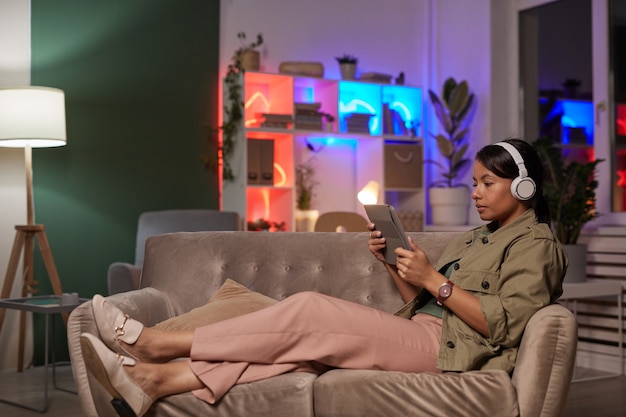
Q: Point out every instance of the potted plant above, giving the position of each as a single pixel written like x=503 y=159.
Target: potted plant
x=329 y=119
x=233 y=106
x=305 y=184
x=347 y=66
x=263 y=225
x=569 y=189
x=247 y=55
x=449 y=200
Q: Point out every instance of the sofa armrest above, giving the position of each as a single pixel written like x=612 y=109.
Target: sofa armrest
x=122 y=277
x=545 y=362
x=147 y=305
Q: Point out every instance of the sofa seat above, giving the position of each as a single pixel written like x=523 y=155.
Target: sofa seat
x=286 y=395
x=342 y=393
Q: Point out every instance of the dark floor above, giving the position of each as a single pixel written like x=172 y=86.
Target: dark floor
x=599 y=398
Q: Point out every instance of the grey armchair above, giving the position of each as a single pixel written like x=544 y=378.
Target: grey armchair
x=124 y=276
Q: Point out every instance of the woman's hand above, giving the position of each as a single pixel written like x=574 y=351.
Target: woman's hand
x=377 y=243
x=415 y=268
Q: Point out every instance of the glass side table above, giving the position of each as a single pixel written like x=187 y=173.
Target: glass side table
x=46 y=305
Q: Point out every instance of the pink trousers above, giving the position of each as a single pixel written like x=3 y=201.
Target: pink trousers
x=310 y=332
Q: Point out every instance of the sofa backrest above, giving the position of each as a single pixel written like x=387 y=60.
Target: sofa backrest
x=190 y=267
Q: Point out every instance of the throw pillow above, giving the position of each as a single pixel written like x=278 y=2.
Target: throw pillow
x=231 y=300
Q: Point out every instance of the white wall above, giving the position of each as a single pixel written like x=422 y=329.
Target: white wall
x=504 y=117
x=460 y=48
x=14 y=70
x=387 y=37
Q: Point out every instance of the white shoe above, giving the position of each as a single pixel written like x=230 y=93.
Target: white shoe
x=107 y=367
x=114 y=325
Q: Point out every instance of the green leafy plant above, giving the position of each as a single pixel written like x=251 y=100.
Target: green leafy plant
x=347 y=59
x=452 y=110
x=329 y=117
x=569 y=189
x=233 y=109
x=305 y=184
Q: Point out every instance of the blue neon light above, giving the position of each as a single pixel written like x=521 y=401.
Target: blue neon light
x=317 y=143
x=577 y=114
x=407 y=113
x=353 y=107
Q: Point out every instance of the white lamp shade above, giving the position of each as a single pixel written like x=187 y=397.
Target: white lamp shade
x=32 y=116
x=369 y=193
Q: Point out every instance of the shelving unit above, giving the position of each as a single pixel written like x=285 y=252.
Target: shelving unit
x=375 y=134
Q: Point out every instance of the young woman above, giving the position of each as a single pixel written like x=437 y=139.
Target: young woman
x=466 y=313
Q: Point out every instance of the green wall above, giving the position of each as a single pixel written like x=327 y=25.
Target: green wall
x=140 y=80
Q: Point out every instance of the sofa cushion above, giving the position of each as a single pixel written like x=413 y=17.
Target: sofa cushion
x=342 y=392
x=232 y=299
x=288 y=395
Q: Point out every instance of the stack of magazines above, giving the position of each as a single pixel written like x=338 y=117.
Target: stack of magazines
x=308 y=116
x=358 y=122
x=273 y=120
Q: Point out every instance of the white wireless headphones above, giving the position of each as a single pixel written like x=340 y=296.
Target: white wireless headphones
x=523 y=187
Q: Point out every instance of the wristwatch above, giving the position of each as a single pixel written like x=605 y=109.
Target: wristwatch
x=445 y=291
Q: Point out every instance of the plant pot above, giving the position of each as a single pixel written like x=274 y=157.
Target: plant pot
x=251 y=60
x=577 y=269
x=305 y=220
x=449 y=205
x=348 y=71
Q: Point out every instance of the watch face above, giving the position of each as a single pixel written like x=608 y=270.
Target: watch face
x=445 y=291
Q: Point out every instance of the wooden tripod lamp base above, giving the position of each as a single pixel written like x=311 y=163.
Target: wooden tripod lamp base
x=31 y=117
x=25 y=237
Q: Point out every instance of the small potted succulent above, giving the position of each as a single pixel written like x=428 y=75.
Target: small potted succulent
x=347 y=65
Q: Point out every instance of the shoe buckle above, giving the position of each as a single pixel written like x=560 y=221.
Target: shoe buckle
x=120 y=329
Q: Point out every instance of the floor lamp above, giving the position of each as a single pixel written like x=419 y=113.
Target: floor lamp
x=30 y=117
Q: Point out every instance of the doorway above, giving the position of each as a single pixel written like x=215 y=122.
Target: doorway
x=573 y=85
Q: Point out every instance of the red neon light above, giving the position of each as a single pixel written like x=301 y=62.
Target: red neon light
x=621 y=178
x=620 y=119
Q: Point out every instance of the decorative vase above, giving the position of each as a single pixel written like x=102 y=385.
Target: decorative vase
x=449 y=205
x=250 y=60
x=348 y=71
x=305 y=220
x=577 y=269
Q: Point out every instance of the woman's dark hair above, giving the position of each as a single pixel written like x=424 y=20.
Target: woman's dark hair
x=498 y=160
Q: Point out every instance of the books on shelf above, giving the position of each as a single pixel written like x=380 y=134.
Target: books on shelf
x=274 y=120
x=308 y=116
x=303 y=107
x=309 y=126
x=393 y=123
x=358 y=122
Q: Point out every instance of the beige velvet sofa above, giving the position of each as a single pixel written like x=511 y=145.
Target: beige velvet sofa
x=182 y=270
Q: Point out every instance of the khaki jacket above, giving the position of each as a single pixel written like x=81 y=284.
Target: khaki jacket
x=515 y=271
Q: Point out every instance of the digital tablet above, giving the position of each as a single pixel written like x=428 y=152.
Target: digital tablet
x=386 y=220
